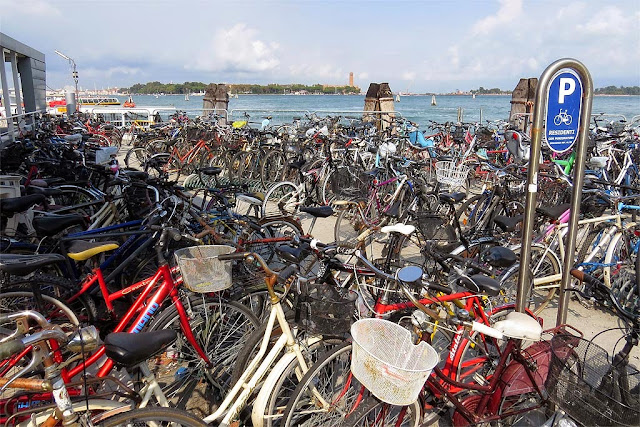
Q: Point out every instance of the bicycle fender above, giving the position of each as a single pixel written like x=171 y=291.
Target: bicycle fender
x=515 y=381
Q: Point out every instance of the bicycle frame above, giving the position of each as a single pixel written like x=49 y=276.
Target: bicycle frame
x=145 y=305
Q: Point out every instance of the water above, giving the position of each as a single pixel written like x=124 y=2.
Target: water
x=415 y=108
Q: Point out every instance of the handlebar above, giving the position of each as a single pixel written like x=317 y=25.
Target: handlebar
x=596 y=289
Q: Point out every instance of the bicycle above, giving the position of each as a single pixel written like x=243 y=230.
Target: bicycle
x=587 y=384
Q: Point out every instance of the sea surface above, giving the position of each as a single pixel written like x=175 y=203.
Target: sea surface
x=415 y=108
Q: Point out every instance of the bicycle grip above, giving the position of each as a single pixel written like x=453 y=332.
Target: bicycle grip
x=346 y=245
x=233 y=256
x=9 y=348
x=5 y=318
x=486 y=330
x=584 y=277
x=285 y=274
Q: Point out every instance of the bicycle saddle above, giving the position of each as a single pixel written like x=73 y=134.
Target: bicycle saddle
x=211 y=170
x=452 y=197
x=318 y=211
x=553 y=212
x=404 y=229
x=73 y=138
x=21 y=265
x=499 y=257
x=291 y=254
x=53 y=224
x=47 y=192
x=131 y=349
x=297 y=164
x=520 y=326
x=12 y=205
x=480 y=283
x=507 y=223
x=81 y=250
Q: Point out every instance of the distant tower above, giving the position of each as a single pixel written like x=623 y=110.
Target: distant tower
x=351 y=79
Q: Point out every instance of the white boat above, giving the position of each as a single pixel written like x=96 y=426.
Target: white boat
x=433 y=100
x=398 y=98
x=473 y=96
x=186 y=96
x=197 y=94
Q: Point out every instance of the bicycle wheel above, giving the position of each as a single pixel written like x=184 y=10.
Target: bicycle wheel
x=273 y=168
x=278 y=232
x=289 y=378
x=373 y=413
x=56 y=287
x=543 y=266
x=349 y=224
x=619 y=255
x=283 y=198
x=154 y=416
x=53 y=309
x=136 y=158
x=220 y=328
x=329 y=378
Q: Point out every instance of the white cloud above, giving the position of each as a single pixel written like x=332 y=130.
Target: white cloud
x=409 y=75
x=362 y=76
x=327 y=73
x=29 y=8
x=237 y=49
x=510 y=11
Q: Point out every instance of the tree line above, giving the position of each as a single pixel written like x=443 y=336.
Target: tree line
x=190 y=87
x=622 y=90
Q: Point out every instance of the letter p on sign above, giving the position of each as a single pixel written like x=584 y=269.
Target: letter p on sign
x=567 y=87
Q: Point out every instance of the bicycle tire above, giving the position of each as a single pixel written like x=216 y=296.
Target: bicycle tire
x=185 y=381
x=335 y=367
x=374 y=413
x=281 y=199
x=349 y=224
x=273 y=168
x=136 y=158
x=288 y=380
x=11 y=302
x=154 y=416
x=60 y=288
x=543 y=263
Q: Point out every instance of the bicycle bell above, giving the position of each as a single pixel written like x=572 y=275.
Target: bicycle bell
x=410 y=275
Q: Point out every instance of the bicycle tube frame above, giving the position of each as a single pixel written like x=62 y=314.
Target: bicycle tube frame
x=166 y=287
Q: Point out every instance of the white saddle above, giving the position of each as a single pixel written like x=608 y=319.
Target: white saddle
x=405 y=229
x=520 y=326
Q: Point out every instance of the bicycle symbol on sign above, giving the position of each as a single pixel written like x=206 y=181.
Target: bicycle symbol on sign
x=562 y=117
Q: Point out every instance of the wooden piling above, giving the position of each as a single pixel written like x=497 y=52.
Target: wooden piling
x=216 y=100
x=522 y=99
x=379 y=98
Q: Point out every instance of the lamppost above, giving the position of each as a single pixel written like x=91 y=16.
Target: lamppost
x=74 y=73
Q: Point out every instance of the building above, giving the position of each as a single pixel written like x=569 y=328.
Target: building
x=351 y=79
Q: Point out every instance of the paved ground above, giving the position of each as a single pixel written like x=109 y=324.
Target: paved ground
x=590 y=321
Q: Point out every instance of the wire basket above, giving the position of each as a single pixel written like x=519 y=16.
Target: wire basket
x=202 y=271
x=386 y=361
x=584 y=384
x=448 y=173
x=322 y=310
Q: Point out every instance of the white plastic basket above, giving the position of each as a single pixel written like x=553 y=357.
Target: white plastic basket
x=387 y=363
x=202 y=271
x=448 y=173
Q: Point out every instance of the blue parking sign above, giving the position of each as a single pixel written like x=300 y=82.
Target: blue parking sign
x=564 y=102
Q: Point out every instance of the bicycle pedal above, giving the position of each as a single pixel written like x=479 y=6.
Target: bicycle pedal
x=480 y=379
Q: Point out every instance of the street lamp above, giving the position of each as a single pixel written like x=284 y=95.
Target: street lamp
x=74 y=73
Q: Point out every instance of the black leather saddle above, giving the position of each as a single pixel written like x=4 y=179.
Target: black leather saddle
x=452 y=197
x=553 y=212
x=131 y=349
x=318 y=211
x=507 y=223
x=499 y=257
x=50 y=225
x=211 y=170
x=21 y=265
x=298 y=164
x=12 y=205
x=480 y=283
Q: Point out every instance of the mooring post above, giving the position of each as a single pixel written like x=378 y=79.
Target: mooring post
x=216 y=101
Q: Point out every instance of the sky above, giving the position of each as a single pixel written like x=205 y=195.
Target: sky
x=416 y=46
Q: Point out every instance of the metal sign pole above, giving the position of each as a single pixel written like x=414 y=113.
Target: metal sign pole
x=540 y=117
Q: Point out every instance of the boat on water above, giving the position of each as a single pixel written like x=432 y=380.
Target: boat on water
x=129 y=103
x=398 y=98
x=433 y=100
x=197 y=94
x=98 y=100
